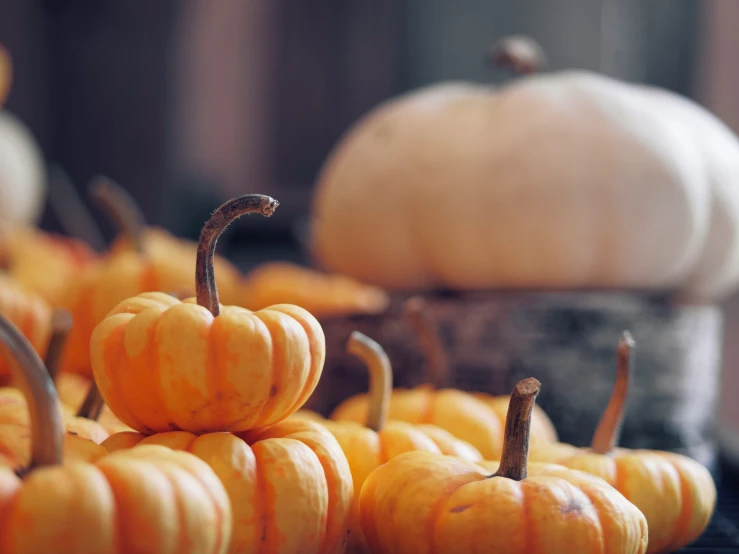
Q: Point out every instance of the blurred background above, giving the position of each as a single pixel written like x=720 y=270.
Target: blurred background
x=189 y=102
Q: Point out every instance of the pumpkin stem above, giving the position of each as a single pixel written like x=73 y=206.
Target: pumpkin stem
x=515 y=457
x=426 y=331
x=380 y=375
x=521 y=55
x=71 y=211
x=45 y=411
x=93 y=404
x=205 y=281
x=61 y=324
x=608 y=431
x=121 y=209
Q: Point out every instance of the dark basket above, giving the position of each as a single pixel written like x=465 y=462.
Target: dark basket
x=568 y=342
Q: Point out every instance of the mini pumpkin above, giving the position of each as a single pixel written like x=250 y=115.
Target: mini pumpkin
x=149 y=500
x=45 y=263
x=373 y=444
x=141 y=260
x=162 y=364
x=676 y=494
x=29 y=312
x=321 y=294
x=521 y=161
x=289 y=485
x=424 y=502
x=479 y=421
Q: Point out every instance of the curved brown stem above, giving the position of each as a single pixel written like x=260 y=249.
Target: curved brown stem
x=515 y=457
x=380 y=376
x=205 y=281
x=71 y=212
x=608 y=431
x=45 y=411
x=437 y=362
x=93 y=404
x=61 y=324
x=521 y=55
x=121 y=209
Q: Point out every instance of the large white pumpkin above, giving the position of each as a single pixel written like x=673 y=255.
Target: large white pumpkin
x=22 y=174
x=569 y=180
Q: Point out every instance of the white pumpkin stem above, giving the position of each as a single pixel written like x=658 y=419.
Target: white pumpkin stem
x=608 y=431
x=45 y=410
x=205 y=279
x=61 y=324
x=427 y=333
x=522 y=55
x=380 y=377
x=121 y=209
x=514 y=460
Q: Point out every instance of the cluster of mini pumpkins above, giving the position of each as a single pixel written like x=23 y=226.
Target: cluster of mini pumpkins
x=202 y=445
x=139 y=415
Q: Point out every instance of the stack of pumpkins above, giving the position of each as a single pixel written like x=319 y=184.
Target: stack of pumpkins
x=161 y=425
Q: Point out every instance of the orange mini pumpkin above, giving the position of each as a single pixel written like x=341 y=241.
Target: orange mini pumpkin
x=29 y=312
x=368 y=447
x=479 y=421
x=676 y=494
x=163 y=365
x=321 y=294
x=289 y=485
x=141 y=260
x=423 y=502
x=149 y=500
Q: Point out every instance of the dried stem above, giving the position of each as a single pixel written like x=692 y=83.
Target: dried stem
x=205 y=281
x=426 y=331
x=515 y=457
x=61 y=324
x=45 y=411
x=608 y=431
x=121 y=209
x=6 y=73
x=71 y=211
x=93 y=404
x=522 y=55
x=380 y=376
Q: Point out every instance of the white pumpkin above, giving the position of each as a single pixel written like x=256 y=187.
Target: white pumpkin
x=569 y=180
x=22 y=174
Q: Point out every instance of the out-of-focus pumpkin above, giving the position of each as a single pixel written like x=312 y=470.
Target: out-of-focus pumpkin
x=142 y=259
x=22 y=175
x=369 y=445
x=321 y=294
x=423 y=502
x=6 y=74
x=427 y=190
x=676 y=494
x=27 y=311
x=43 y=262
x=479 y=421
x=162 y=364
x=289 y=485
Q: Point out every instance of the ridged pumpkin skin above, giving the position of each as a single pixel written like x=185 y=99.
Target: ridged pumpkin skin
x=15 y=447
x=289 y=485
x=29 y=313
x=72 y=389
x=676 y=494
x=421 y=502
x=367 y=450
x=165 y=365
x=149 y=500
x=458 y=412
